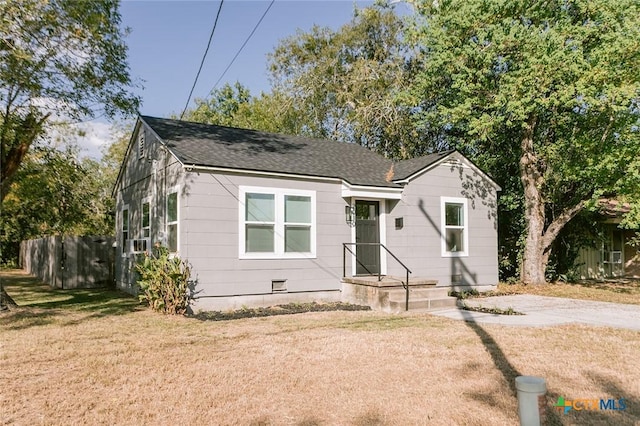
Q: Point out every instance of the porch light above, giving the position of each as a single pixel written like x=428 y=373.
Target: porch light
x=350 y=214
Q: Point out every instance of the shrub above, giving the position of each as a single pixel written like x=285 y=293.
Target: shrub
x=164 y=281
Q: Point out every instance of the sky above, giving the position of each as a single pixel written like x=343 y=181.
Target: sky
x=167 y=41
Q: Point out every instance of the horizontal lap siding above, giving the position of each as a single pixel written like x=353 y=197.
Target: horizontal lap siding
x=209 y=238
x=148 y=178
x=418 y=243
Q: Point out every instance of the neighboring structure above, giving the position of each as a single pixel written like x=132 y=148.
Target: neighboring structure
x=263 y=217
x=614 y=256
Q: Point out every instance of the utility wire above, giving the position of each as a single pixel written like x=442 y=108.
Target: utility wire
x=203 y=58
x=244 y=44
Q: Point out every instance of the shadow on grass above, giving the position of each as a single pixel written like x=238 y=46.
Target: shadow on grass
x=509 y=374
x=614 y=286
x=39 y=304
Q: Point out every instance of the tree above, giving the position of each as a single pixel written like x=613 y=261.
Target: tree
x=55 y=193
x=550 y=87
x=58 y=192
x=234 y=106
x=349 y=83
x=62 y=57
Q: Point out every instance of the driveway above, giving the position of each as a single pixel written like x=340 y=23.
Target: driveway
x=547 y=311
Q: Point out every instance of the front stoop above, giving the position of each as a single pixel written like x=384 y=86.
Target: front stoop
x=388 y=295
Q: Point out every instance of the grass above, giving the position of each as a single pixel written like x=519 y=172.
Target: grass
x=620 y=291
x=83 y=365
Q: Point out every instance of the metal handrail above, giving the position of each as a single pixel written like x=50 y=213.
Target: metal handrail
x=405 y=284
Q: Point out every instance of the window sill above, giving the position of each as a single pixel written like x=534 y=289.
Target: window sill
x=455 y=254
x=273 y=256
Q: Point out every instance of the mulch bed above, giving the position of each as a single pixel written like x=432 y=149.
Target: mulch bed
x=288 y=309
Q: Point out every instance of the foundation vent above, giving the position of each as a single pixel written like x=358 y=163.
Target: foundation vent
x=278 y=286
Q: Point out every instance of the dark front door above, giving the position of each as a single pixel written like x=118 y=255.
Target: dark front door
x=367 y=231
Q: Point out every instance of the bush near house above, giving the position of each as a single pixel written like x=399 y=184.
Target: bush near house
x=164 y=281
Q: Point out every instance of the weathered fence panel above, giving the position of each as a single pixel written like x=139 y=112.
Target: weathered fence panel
x=70 y=262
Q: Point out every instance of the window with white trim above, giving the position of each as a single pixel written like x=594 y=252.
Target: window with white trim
x=172 y=222
x=142 y=244
x=277 y=223
x=125 y=230
x=145 y=224
x=455 y=227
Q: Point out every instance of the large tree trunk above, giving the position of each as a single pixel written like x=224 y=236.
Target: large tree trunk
x=533 y=262
x=537 y=246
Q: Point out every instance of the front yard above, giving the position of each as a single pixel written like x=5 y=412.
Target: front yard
x=85 y=357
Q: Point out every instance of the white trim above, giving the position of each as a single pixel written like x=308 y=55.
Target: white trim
x=141 y=144
x=279 y=223
x=124 y=248
x=193 y=167
x=462 y=161
x=146 y=200
x=371 y=192
x=443 y=228
x=382 y=229
x=176 y=190
x=139 y=241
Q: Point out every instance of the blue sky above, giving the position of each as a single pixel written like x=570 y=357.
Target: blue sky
x=168 y=39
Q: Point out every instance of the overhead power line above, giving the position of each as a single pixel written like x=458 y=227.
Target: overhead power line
x=203 y=58
x=243 y=45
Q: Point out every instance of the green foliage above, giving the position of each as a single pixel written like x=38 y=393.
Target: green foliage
x=545 y=96
x=57 y=57
x=465 y=294
x=348 y=83
x=234 y=106
x=164 y=281
x=55 y=193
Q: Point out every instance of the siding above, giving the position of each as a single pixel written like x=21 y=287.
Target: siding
x=418 y=243
x=151 y=177
x=209 y=238
x=209 y=228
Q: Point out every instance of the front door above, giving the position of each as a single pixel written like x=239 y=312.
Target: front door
x=367 y=231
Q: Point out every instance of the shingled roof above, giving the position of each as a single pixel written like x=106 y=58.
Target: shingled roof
x=196 y=144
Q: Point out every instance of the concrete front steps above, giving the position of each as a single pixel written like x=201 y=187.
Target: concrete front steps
x=388 y=295
x=424 y=299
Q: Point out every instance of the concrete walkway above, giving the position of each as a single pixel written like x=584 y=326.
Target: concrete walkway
x=543 y=311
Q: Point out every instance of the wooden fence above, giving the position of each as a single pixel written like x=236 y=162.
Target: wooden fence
x=70 y=262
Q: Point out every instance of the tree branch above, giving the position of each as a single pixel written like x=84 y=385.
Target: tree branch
x=559 y=222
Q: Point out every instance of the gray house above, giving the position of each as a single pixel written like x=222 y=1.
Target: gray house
x=267 y=219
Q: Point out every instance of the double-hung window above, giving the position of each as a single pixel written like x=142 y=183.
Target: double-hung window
x=172 y=221
x=125 y=230
x=276 y=223
x=143 y=243
x=455 y=227
x=146 y=219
